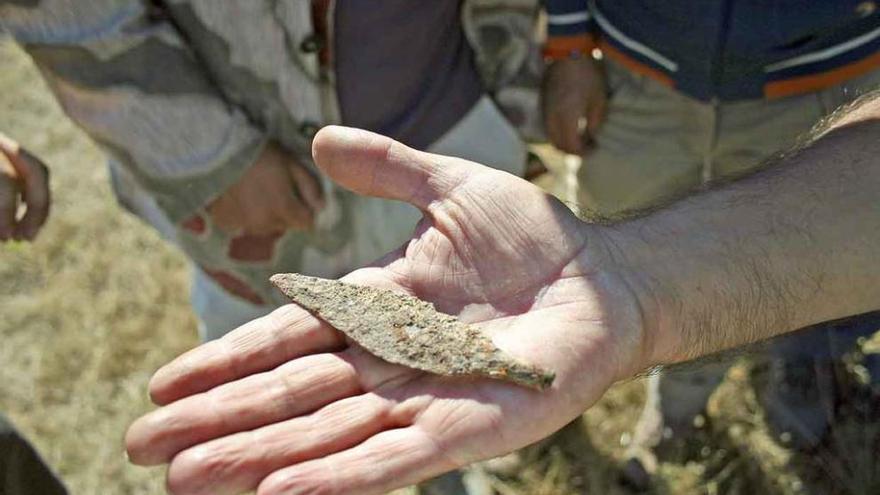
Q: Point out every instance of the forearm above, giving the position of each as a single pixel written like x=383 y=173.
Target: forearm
x=792 y=246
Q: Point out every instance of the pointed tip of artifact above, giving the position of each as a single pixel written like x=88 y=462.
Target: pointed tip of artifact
x=283 y=278
x=295 y=285
x=291 y=279
x=287 y=282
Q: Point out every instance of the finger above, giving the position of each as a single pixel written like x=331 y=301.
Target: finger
x=260 y=345
x=8 y=204
x=308 y=187
x=375 y=165
x=391 y=459
x=293 y=212
x=238 y=463
x=8 y=146
x=35 y=194
x=287 y=333
x=596 y=114
x=294 y=388
x=227 y=215
x=278 y=210
x=563 y=128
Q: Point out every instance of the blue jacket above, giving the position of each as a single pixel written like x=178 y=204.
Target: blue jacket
x=725 y=49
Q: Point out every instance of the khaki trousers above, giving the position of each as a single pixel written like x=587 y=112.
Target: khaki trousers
x=657 y=143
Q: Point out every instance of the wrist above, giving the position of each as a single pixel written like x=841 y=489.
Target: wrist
x=631 y=302
x=630 y=262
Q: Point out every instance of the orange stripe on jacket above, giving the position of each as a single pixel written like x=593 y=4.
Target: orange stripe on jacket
x=634 y=65
x=822 y=80
x=559 y=47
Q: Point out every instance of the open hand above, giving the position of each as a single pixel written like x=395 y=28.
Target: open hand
x=284 y=405
x=275 y=194
x=24 y=182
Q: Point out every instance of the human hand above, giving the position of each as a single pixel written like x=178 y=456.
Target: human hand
x=573 y=90
x=285 y=405
x=275 y=194
x=24 y=181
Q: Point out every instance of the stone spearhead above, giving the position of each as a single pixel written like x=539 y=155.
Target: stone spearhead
x=404 y=330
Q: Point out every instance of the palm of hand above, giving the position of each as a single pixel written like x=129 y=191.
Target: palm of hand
x=474 y=256
x=493 y=250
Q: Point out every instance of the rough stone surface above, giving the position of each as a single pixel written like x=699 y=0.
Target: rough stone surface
x=405 y=330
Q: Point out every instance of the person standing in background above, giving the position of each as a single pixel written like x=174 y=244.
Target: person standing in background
x=206 y=112
x=684 y=96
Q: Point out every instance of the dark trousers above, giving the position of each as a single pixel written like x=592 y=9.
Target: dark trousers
x=22 y=471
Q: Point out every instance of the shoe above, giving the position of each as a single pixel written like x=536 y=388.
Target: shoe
x=669 y=431
x=871 y=362
x=654 y=442
x=798 y=401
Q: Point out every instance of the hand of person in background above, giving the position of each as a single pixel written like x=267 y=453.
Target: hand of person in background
x=282 y=404
x=275 y=194
x=24 y=184
x=573 y=93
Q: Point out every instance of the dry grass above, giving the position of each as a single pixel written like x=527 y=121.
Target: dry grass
x=99 y=302
x=88 y=310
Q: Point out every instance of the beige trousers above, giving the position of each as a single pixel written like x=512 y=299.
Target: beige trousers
x=657 y=143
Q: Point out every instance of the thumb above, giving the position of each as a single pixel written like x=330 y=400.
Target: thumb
x=35 y=195
x=8 y=202
x=34 y=178
x=375 y=165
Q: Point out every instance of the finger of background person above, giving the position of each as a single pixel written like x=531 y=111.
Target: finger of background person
x=35 y=194
x=391 y=459
x=308 y=186
x=8 y=146
x=227 y=215
x=596 y=114
x=293 y=211
x=260 y=345
x=271 y=212
x=375 y=165
x=8 y=204
x=564 y=132
x=276 y=209
x=297 y=387
x=9 y=187
x=238 y=463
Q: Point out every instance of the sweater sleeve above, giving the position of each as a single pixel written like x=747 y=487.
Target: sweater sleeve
x=125 y=75
x=570 y=29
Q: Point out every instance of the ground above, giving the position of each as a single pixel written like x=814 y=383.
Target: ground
x=92 y=308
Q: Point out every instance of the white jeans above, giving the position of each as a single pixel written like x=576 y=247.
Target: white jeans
x=483 y=136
